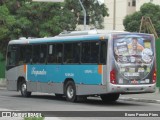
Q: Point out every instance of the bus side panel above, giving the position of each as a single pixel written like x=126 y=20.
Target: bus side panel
x=12 y=76
x=81 y=74
x=50 y=78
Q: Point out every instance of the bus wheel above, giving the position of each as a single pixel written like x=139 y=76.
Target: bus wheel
x=70 y=91
x=109 y=97
x=23 y=89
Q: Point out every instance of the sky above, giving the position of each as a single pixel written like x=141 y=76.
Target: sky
x=100 y=1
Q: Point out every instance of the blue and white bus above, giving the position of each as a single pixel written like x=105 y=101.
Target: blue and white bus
x=83 y=63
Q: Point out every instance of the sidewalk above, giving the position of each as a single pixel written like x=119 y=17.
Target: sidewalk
x=2 y=82
x=145 y=97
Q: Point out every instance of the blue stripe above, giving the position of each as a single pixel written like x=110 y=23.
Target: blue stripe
x=81 y=74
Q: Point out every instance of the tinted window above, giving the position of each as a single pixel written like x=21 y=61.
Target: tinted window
x=55 y=52
x=12 y=55
x=11 y=58
x=71 y=52
x=36 y=53
x=90 y=52
x=28 y=54
x=103 y=52
x=21 y=59
x=43 y=53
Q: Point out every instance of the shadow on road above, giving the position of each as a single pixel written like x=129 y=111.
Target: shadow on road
x=96 y=101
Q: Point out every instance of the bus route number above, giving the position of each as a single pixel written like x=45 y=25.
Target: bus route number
x=69 y=74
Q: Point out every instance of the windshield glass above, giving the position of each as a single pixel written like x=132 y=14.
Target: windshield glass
x=133 y=55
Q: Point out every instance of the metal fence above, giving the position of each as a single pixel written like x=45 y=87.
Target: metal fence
x=158 y=61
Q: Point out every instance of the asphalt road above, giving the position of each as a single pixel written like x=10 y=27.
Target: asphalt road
x=48 y=102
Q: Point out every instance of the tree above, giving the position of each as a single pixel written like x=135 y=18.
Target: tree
x=6 y=23
x=94 y=10
x=132 y=22
x=24 y=18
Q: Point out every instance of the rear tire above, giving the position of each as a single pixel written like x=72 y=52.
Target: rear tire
x=23 y=89
x=110 y=97
x=70 y=91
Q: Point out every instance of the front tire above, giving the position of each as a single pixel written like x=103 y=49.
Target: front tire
x=110 y=97
x=70 y=91
x=23 y=89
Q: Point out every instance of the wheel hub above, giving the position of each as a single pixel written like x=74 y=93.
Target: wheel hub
x=70 y=91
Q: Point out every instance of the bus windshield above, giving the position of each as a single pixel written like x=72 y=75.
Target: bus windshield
x=133 y=55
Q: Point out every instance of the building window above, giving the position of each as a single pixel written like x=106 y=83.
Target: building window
x=129 y=4
x=133 y=2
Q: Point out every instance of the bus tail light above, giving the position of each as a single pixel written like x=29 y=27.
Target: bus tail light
x=154 y=76
x=113 y=76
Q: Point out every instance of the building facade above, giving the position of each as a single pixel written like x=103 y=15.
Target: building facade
x=118 y=9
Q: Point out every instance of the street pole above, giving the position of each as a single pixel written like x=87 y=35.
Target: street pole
x=114 y=15
x=84 y=12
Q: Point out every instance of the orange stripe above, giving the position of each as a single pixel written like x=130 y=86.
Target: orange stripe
x=100 y=69
x=24 y=68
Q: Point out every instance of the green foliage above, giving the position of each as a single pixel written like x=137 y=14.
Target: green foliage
x=34 y=118
x=96 y=11
x=24 y=18
x=132 y=22
x=2 y=66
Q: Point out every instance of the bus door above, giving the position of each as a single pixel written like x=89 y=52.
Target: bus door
x=11 y=69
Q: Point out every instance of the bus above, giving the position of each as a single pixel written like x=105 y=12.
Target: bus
x=79 y=64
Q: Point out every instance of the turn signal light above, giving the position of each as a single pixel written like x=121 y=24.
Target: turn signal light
x=154 y=76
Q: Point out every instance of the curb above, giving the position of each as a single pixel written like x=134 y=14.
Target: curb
x=2 y=82
x=139 y=100
x=3 y=88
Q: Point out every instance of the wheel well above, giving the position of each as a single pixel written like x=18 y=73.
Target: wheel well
x=19 y=81
x=66 y=80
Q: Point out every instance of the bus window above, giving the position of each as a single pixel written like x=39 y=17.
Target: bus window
x=94 y=52
x=90 y=52
x=11 y=55
x=76 y=52
x=43 y=53
x=21 y=59
x=68 y=53
x=51 y=53
x=55 y=52
x=103 y=52
x=11 y=58
x=36 y=53
x=59 y=52
x=28 y=54
x=71 y=52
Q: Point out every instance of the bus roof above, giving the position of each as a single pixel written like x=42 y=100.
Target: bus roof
x=69 y=36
